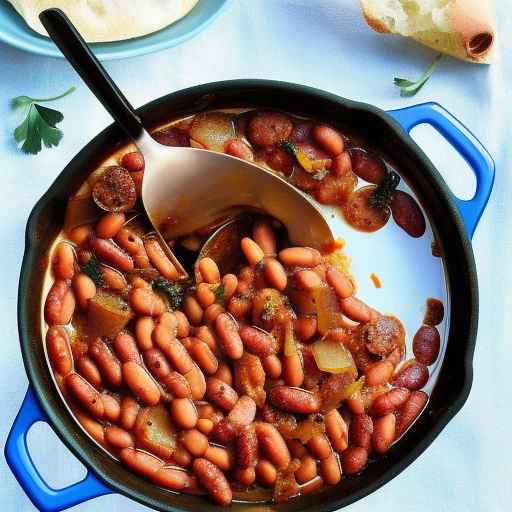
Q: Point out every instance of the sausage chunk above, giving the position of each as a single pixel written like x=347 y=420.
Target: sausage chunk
x=115 y=190
x=383 y=335
x=268 y=128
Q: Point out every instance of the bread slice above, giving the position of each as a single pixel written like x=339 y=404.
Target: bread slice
x=465 y=29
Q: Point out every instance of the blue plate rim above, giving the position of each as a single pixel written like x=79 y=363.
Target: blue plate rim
x=105 y=55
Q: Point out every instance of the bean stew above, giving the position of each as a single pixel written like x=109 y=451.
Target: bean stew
x=262 y=381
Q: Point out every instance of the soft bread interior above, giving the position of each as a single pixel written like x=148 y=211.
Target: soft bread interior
x=461 y=28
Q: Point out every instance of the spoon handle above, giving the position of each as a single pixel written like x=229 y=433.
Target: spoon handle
x=77 y=52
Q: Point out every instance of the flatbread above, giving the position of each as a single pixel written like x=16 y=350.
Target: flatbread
x=108 y=20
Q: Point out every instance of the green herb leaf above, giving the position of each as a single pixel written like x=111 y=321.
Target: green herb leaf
x=93 y=269
x=268 y=310
x=39 y=125
x=383 y=193
x=219 y=293
x=288 y=146
x=173 y=291
x=409 y=88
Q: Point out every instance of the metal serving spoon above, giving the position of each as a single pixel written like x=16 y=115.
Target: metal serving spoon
x=192 y=185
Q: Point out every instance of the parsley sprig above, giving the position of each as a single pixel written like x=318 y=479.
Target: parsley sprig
x=93 y=270
x=409 y=88
x=39 y=125
x=173 y=291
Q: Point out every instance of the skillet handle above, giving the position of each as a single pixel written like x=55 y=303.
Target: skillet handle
x=467 y=145
x=18 y=457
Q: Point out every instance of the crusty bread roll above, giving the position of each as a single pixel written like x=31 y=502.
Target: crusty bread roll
x=108 y=20
x=465 y=29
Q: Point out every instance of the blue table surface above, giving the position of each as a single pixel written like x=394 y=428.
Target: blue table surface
x=325 y=44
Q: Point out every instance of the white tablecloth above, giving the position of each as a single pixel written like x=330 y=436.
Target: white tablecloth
x=325 y=44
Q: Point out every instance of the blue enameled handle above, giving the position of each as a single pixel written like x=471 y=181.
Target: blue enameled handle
x=18 y=457
x=468 y=147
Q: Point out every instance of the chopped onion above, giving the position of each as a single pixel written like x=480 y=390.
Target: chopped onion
x=333 y=357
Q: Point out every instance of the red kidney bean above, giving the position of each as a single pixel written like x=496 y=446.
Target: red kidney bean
x=257 y=341
x=243 y=412
x=229 y=337
x=108 y=251
x=361 y=430
x=133 y=161
x=238 y=148
x=407 y=214
x=60 y=304
x=223 y=432
x=172 y=136
x=279 y=160
x=221 y=394
x=126 y=348
x=426 y=344
x=367 y=165
x=108 y=364
x=246 y=447
x=213 y=480
x=409 y=411
x=389 y=401
x=296 y=400
x=412 y=376
x=85 y=394
x=354 y=459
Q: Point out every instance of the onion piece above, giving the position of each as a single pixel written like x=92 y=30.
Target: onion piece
x=333 y=357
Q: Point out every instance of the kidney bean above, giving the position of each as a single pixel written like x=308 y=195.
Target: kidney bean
x=378 y=373
x=109 y=225
x=229 y=337
x=272 y=444
x=126 y=348
x=184 y=413
x=209 y=270
x=412 y=376
x=213 y=480
x=178 y=385
x=212 y=313
x=108 y=364
x=59 y=350
x=145 y=302
x=275 y=274
x=118 y=437
x=229 y=283
x=252 y=251
x=336 y=430
x=361 y=430
x=134 y=246
x=140 y=383
x=245 y=476
x=175 y=479
x=237 y=147
x=307 y=279
x=203 y=356
x=87 y=396
x=407 y=214
x=84 y=289
x=223 y=432
x=194 y=441
x=81 y=234
x=221 y=394
x=319 y=446
x=426 y=344
x=60 y=304
x=108 y=251
x=156 y=363
x=383 y=433
x=295 y=400
x=409 y=411
x=89 y=371
x=141 y=462
x=329 y=139
x=305 y=327
x=205 y=333
x=197 y=382
x=133 y=161
x=205 y=295
x=355 y=404
x=390 y=401
x=263 y=235
x=182 y=457
x=307 y=470
x=224 y=374
x=339 y=282
x=143 y=330
x=300 y=257
x=279 y=160
x=268 y=128
x=160 y=260
x=192 y=310
x=292 y=370
x=342 y=165
x=356 y=309
x=246 y=444
x=182 y=324
x=243 y=412
x=172 y=136
x=138 y=282
x=257 y=341
x=64 y=261
x=330 y=469
x=112 y=409
x=129 y=411
x=354 y=459
x=266 y=473
x=204 y=425
x=219 y=456
x=367 y=165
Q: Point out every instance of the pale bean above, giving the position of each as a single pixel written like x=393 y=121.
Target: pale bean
x=214 y=481
x=266 y=473
x=212 y=312
x=118 y=437
x=140 y=383
x=356 y=309
x=156 y=363
x=230 y=283
x=379 y=373
x=81 y=234
x=307 y=279
x=205 y=334
x=329 y=139
x=175 y=479
x=297 y=449
x=209 y=270
x=173 y=349
x=243 y=412
x=192 y=309
x=141 y=462
x=108 y=364
x=194 y=441
x=126 y=348
x=339 y=282
x=263 y=235
x=252 y=251
x=307 y=470
x=143 y=330
x=305 y=327
x=205 y=295
x=390 y=401
x=110 y=224
x=239 y=307
x=300 y=257
x=197 y=382
x=220 y=457
x=64 y=261
x=182 y=324
x=160 y=260
x=221 y=394
x=112 y=409
x=293 y=371
x=319 y=446
x=88 y=369
x=59 y=350
x=337 y=430
x=87 y=396
x=184 y=413
x=129 y=411
x=330 y=469
x=224 y=374
x=272 y=366
x=113 y=279
x=272 y=444
x=383 y=433
x=204 y=425
x=203 y=356
x=177 y=385
x=245 y=476
x=275 y=274
x=134 y=246
x=182 y=457
x=229 y=338
x=146 y=302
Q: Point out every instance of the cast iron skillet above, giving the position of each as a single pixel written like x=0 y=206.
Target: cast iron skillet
x=453 y=220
